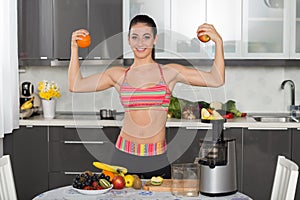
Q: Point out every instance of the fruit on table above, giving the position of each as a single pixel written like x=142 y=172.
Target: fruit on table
x=88 y=172
x=129 y=179
x=156 y=180
x=104 y=183
x=108 y=175
x=89 y=181
x=118 y=182
x=203 y=38
x=27 y=105
x=110 y=168
x=85 y=42
x=137 y=183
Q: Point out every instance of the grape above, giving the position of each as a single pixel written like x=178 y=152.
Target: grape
x=107 y=178
x=102 y=175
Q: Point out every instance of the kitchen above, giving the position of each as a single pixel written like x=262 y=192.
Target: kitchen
x=253 y=73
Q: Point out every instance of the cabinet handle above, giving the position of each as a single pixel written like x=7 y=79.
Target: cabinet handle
x=85 y=142
x=198 y=127
x=267 y=128
x=298 y=129
x=83 y=126
x=75 y=173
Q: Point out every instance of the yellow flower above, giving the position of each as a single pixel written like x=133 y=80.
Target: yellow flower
x=48 y=90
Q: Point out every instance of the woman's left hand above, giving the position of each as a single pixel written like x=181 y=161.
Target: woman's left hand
x=209 y=30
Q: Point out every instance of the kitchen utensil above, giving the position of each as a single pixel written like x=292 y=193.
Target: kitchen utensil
x=26 y=89
x=185 y=179
x=107 y=114
x=217 y=163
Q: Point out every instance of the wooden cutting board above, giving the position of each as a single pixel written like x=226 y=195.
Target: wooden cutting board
x=166 y=186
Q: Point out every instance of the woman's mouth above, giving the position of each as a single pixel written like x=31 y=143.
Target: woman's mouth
x=141 y=49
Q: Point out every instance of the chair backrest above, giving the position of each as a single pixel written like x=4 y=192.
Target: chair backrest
x=7 y=185
x=285 y=181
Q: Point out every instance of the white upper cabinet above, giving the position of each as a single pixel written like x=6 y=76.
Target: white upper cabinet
x=295 y=29
x=226 y=16
x=266 y=29
x=251 y=29
x=178 y=20
x=157 y=9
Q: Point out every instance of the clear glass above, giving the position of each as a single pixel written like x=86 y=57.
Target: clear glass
x=265 y=26
x=298 y=26
x=298 y=36
x=227 y=22
x=298 y=9
x=268 y=40
x=185 y=179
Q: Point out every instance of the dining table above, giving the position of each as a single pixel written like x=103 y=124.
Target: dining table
x=68 y=193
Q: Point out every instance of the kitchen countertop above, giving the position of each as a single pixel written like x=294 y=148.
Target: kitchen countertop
x=93 y=120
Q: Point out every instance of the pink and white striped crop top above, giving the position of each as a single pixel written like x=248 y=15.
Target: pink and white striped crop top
x=154 y=97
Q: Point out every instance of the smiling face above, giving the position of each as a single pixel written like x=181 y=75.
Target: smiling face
x=141 y=40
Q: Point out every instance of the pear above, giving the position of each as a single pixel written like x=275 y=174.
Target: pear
x=137 y=183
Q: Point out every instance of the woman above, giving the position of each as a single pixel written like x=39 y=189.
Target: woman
x=145 y=89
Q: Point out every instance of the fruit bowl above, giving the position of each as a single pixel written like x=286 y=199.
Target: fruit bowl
x=93 y=192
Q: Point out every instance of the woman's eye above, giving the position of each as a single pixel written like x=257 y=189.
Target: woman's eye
x=133 y=37
x=147 y=37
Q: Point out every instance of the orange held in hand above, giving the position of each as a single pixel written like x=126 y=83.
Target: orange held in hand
x=85 y=42
x=203 y=38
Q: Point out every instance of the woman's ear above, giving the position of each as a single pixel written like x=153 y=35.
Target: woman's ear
x=155 y=39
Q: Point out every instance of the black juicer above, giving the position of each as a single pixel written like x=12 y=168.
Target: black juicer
x=217 y=162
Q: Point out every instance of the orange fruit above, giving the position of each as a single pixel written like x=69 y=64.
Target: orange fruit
x=85 y=42
x=110 y=174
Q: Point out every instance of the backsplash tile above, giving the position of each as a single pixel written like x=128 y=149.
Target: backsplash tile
x=255 y=89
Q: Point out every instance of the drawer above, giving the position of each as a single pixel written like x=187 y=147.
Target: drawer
x=78 y=155
x=86 y=134
x=59 y=179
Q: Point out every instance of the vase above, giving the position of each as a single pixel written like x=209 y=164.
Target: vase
x=49 y=107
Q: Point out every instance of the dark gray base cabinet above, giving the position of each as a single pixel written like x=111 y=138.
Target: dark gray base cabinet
x=296 y=156
x=260 y=152
x=73 y=150
x=28 y=148
x=48 y=157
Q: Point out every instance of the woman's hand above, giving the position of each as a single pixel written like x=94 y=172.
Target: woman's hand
x=75 y=36
x=209 y=29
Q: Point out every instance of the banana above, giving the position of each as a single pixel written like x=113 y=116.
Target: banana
x=27 y=105
x=110 y=168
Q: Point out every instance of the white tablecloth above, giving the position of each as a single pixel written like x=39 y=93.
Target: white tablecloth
x=67 y=193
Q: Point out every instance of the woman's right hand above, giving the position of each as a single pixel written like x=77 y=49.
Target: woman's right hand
x=75 y=36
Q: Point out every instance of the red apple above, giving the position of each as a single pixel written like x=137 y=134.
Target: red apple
x=203 y=38
x=118 y=182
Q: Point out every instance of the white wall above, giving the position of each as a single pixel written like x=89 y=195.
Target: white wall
x=255 y=89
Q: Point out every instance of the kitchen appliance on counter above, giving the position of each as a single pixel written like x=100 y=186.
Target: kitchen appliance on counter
x=217 y=162
x=108 y=114
x=29 y=101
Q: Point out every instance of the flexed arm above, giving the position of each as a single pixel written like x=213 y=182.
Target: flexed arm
x=216 y=76
x=95 y=82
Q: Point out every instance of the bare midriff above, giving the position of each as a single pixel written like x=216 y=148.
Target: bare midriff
x=144 y=126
